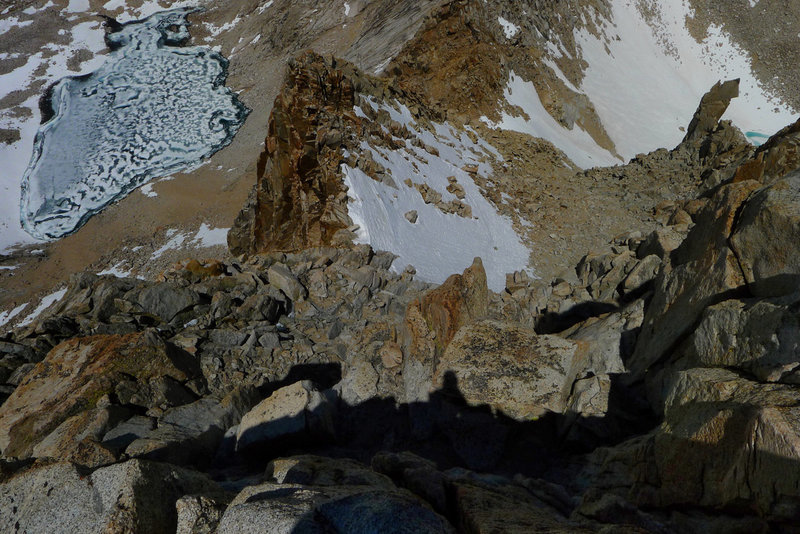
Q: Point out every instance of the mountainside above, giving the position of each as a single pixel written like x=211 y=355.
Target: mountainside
x=442 y=266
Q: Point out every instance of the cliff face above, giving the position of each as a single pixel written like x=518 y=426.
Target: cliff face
x=299 y=201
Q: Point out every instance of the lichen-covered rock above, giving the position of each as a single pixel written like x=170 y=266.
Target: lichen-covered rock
x=433 y=319
x=511 y=369
x=75 y=375
x=72 y=438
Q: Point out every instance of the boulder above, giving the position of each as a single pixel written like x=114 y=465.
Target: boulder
x=281 y=277
x=67 y=441
x=122 y=435
x=760 y=337
x=775 y=158
x=285 y=508
x=75 y=374
x=418 y=475
x=660 y=243
x=766 y=236
x=483 y=506
x=135 y=496
x=610 y=339
x=433 y=319
x=728 y=442
x=702 y=271
x=644 y=272
x=311 y=470
x=190 y=434
x=199 y=514
x=165 y=300
x=360 y=382
x=292 y=411
x=512 y=369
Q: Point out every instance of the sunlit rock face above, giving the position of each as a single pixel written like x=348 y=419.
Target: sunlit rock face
x=155 y=107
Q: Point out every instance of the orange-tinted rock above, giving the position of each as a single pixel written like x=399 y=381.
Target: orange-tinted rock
x=702 y=271
x=433 y=319
x=299 y=200
x=711 y=108
x=775 y=158
x=74 y=376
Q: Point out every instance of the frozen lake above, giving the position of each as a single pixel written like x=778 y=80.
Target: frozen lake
x=153 y=108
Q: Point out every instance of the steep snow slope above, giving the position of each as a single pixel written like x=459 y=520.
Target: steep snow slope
x=436 y=243
x=643 y=64
x=645 y=79
x=576 y=143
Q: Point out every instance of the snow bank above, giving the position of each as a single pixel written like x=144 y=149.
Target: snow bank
x=438 y=244
x=43 y=305
x=577 y=144
x=645 y=84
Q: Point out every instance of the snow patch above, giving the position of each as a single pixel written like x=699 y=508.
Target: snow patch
x=116 y=271
x=216 y=30
x=43 y=305
x=6 y=316
x=577 y=144
x=509 y=28
x=438 y=244
x=211 y=237
x=175 y=240
x=148 y=7
x=264 y=7
x=147 y=190
x=78 y=6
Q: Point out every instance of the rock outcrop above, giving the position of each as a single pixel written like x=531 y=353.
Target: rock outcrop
x=299 y=202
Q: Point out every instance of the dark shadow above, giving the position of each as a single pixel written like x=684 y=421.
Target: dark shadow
x=445 y=429
x=473 y=437
x=550 y=323
x=323 y=375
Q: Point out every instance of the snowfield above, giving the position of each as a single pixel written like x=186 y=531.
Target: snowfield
x=647 y=83
x=576 y=143
x=438 y=244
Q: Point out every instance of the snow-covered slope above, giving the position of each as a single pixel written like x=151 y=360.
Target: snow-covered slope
x=645 y=80
x=644 y=76
x=437 y=243
x=576 y=143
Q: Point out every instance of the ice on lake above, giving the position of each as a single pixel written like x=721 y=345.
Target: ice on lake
x=155 y=107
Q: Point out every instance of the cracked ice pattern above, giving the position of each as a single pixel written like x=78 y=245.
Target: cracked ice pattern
x=155 y=107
